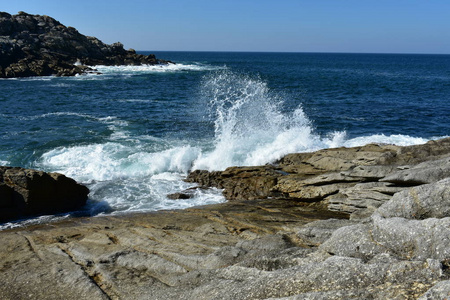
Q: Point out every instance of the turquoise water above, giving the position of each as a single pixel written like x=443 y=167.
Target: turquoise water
x=133 y=133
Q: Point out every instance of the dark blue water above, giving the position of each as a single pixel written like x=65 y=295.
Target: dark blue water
x=132 y=133
x=361 y=93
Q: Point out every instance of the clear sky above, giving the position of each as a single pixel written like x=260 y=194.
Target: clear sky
x=368 y=26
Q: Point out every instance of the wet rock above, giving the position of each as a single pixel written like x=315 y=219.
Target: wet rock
x=25 y=192
x=180 y=196
x=239 y=183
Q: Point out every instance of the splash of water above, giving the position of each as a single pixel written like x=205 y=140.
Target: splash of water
x=250 y=128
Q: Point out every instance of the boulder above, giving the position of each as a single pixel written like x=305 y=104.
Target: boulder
x=400 y=238
x=180 y=196
x=26 y=192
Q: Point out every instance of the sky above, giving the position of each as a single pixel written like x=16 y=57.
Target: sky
x=354 y=26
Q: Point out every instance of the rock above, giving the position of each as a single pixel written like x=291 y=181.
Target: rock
x=239 y=183
x=34 y=45
x=426 y=172
x=180 y=196
x=315 y=233
x=25 y=192
x=354 y=180
x=340 y=159
x=401 y=238
x=421 y=202
x=362 y=199
x=440 y=291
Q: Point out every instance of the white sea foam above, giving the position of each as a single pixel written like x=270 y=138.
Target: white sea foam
x=179 y=67
x=4 y=162
x=129 y=177
x=33 y=221
x=396 y=139
x=112 y=120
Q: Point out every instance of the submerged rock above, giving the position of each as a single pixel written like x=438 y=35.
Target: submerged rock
x=26 y=192
x=35 y=45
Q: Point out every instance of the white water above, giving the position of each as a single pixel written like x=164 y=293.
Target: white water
x=145 y=69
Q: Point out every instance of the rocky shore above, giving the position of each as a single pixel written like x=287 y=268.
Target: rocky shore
x=369 y=222
x=35 y=45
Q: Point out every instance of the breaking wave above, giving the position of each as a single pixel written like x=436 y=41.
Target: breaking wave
x=135 y=173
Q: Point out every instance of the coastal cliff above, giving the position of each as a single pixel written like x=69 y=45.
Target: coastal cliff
x=35 y=45
x=369 y=222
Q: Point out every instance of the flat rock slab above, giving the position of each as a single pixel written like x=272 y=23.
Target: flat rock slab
x=143 y=255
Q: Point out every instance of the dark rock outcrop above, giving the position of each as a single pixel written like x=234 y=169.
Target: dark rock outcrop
x=25 y=192
x=35 y=45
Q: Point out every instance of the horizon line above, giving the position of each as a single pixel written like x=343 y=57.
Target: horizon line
x=296 y=52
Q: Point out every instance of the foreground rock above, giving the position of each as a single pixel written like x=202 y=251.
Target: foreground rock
x=25 y=192
x=286 y=240
x=34 y=45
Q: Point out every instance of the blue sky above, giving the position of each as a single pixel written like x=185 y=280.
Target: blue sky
x=366 y=26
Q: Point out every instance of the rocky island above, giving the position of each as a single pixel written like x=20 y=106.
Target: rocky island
x=370 y=222
x=35 y=45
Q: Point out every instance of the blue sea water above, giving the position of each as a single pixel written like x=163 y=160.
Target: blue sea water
x=132 y=133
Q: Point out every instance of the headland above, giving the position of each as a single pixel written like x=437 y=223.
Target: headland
x=35 y=45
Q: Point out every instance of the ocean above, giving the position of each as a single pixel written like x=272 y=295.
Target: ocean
x=133 y=133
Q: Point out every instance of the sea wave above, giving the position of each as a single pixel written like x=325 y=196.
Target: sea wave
x=112 y=120
x=135 y=173
x=163 y=68
x=395 y=139
x=125 y=178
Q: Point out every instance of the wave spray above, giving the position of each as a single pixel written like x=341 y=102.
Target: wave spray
x=250 y=127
